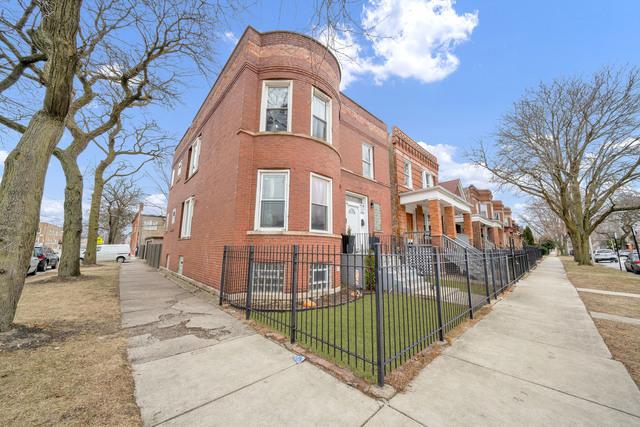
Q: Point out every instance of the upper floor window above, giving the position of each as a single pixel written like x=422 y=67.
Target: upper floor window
x=272 y=200
x=194 y=157
x=427 y=179
x=173 y=176
x=407 y=174
x=179 y=168
x=150 y=224
x=187 y=215
x=320 y=203
x=275 y=114
x=320 y=116
x=484 y=210
x=367 y=160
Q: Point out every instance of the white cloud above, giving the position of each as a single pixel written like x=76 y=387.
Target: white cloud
x=451 y=167
x=52 y=210
x=407 y=38
x=155 y=204
x=230 y=37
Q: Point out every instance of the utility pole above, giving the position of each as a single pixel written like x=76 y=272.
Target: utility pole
x=615 y=240
x=635 y=241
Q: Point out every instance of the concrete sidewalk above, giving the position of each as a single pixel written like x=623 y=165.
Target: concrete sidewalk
x=194 y=365
x=536 y=359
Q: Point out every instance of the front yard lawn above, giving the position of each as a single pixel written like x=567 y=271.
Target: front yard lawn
x=334 y=332
x=66 y=364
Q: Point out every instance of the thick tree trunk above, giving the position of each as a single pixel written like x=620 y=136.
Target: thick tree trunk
x=94 y=217
x=581 y=251
x=26 y=166
x=72 y=232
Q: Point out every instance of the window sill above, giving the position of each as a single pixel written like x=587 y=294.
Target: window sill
x=291 y=233
x=185 y=238
x=191 y=176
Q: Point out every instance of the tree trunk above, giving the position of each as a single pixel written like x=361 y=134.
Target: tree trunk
x=581 y=251
x=94 y=217
x=72 y=231
x=26 y=166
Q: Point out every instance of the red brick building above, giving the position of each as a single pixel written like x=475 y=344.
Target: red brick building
x=277 y=154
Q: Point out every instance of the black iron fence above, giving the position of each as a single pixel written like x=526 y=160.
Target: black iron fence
x=368 y=311
x=152 y=253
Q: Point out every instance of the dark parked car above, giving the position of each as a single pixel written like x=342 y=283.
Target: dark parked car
x=632 y=263
x=47 y=257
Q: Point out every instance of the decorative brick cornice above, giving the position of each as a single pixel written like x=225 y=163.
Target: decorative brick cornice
x=401 y=139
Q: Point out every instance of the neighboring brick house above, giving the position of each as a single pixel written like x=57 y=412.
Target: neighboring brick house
x=421 y=203
x=277 y=155
x=145 y=229
x=49 y=235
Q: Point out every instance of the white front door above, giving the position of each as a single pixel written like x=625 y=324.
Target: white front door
x=354 y=223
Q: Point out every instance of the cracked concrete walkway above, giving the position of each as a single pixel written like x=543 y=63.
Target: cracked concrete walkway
x=195 y=365
x=536 y=359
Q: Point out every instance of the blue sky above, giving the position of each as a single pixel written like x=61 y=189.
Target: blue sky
x=494 y=51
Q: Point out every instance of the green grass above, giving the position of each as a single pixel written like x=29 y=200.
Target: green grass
x=352 y=326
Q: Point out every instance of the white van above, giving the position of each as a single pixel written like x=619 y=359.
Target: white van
x=118 y=253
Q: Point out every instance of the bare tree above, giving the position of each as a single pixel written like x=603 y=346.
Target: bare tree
x=26 y=166
x=147 y=141
x=618 y=225
x=161 y=178
x=572 y=144
x=120 y=200
x=546 y=224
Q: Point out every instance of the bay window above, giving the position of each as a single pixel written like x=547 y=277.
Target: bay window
x=275 y=114
x=272 y=200
x=320 y=203
x=320 y=115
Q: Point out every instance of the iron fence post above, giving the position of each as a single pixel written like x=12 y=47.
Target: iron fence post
x=249 y=282
x=466 y=264
x=222 y=278
x=294 y=293
x=493 y=274
x=380 y=362
x=526 y=257
x=439 y=296
x=486 y=275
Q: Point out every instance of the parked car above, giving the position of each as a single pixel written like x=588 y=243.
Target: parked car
x=47 y=257
x=33 y=264
x=632 y=263
x=118 y=253
x=624 y=253
x=607 y=255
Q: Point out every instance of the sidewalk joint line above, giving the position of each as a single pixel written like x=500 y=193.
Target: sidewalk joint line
x=223 y=396
x=542 y=385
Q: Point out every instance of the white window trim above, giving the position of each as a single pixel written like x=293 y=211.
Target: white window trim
x=187 y=218
x=372 y=168
x=173 y=216
x=256 y=220
x=410 y=183
x=194 y=161
x=330 y=203
x=321 y=95
x=319 y=266
x=179 y=168
x=173 y=176
x=263 y=102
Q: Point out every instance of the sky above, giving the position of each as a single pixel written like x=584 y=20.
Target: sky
x=445 y=79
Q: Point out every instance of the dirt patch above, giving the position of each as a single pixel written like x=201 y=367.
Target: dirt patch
x=599 y=277
x=621 y=306
x=65 y=363
x=623 y=341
